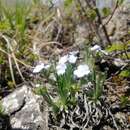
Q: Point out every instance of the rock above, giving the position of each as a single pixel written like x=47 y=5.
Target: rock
x=24 y=108
x=118 y=26
x=111 y=29
x=14 y=101
x=83 y=32
x=121 y=118
x=58 y=128
x=107 y=128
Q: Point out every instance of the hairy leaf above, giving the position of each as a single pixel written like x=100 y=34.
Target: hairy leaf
x=125 y=73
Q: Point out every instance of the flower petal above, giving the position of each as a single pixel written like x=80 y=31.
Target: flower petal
x=47 y=66
x=63 y=59
x=95 y=48
x=38 y=68
x=72 y=59
x=61 y=68
x=81 y=71
x=37 y=85
x=74 y=52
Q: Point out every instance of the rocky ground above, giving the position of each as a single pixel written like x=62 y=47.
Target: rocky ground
x=24 y=110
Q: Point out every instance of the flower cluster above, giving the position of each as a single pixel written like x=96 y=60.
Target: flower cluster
x=81 y=71
x=62 y=64
x=71 y=58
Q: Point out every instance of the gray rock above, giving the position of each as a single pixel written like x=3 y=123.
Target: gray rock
x=83 y=31
x=107 y=128
x=118 y=26
x=24 y=108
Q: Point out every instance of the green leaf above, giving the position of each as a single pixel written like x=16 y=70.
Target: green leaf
x=124 y=56
x=1 y=109
x=120 y=2
x=67 y=3
x=100 y=78
x=125 y=73
x=91 y=14
x=1 y=60
x=116 y=47
x=98 y=82
x=106 y=11
x=128 y=42
x=4 y=25
x=40 y=90
x=124 y=101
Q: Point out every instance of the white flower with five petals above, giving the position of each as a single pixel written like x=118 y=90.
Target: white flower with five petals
x=82 y=71
x=61 y=68
x=72 y=59
x=40 y=66
x=63 y=59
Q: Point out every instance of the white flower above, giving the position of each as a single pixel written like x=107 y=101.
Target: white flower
x=61 y=68
x=63 y=59
x=81 y=71
x=72 y=59
x=38 y=68
x=95 y=48
x=74 y=52
x=37 y=85
x=47 y=66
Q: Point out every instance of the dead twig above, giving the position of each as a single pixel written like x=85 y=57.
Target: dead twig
x=21 y=62
x=113 y=12
x=99 y=19
x=14 y=58
x=114 y=122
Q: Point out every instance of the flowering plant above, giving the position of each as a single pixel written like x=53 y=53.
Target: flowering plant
x=69 y=79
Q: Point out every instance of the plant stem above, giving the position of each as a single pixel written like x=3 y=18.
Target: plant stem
x=103 y=26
